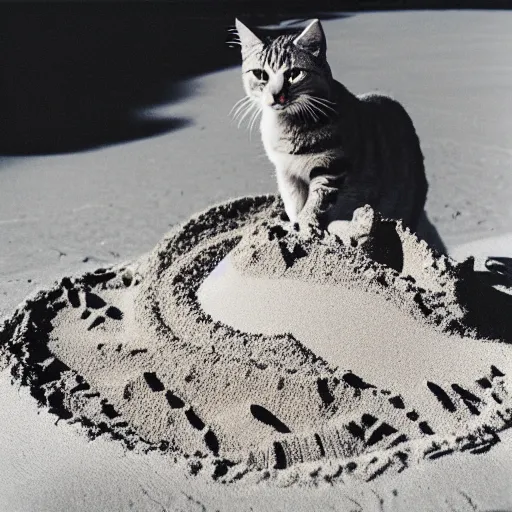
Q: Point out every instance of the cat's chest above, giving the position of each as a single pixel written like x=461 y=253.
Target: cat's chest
x=279 y=147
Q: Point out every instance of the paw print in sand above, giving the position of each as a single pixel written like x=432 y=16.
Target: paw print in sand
x=95 y=306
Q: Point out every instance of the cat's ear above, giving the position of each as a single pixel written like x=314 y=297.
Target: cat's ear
x=312 y=39
x=247 y=38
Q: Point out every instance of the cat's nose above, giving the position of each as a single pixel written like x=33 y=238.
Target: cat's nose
x=280 y=98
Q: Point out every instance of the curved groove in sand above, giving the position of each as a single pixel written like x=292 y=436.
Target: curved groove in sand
x=130 y=352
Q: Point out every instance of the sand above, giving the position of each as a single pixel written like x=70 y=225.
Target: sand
x=85 y=213
x=215 y=363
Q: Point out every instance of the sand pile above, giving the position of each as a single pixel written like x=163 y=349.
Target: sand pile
x=402 y=355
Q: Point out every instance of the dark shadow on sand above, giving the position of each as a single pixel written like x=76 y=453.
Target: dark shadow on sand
x=76 y=76
x=428 y=232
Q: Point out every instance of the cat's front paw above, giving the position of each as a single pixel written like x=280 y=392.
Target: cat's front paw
x=310 y=229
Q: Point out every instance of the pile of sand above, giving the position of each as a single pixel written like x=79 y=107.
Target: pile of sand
x=390 y=355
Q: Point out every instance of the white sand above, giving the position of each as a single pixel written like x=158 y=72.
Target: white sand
x=477 y=482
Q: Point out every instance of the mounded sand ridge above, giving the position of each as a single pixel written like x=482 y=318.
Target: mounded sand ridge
x=138 y=352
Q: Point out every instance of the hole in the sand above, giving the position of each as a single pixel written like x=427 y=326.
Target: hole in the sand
x=290 y=257
x=425 y=428
x=66 y=282
x=356 y=382
x=127 y=278
x=221 y=468
x=496 y=398
x=484 y=383
x=355 y=430
x=402 y=438
x=174 y=401
x=195 y=467
x=94 y=301
x=276 y=232
x=56 y=404
x=397 y=402
x=73 y=297
x=154 y=383
x=468 y=398
x=94 y=279
x=382 y=431
x=442 y=453
x=358 y=431
x=351 y=467
x=324 y=392
x=265 y=416
x=127 y=392
x=83 y=386
x=109 y=411
x=279 y=455
x=320 y=445
x=96 y=322
x=138 y=351
x=412 y=415
x=496 y=373
x=114 y=313
x=85 y=314
x=212 y=442
x=442 y=396
x=194 y=419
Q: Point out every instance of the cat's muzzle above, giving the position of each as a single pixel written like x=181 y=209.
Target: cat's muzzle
x=280 y=101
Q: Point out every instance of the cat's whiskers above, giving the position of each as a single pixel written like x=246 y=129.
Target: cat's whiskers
x=253 y=120
x=296 y=109
x=316 y=105
x=239 y=104
x=317 y=108
x=309 y=108
x=243 y=110
x=304 y=110
x=323 y=102
x=252 y=105
x=239 y=111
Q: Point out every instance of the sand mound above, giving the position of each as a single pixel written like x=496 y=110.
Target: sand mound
x=129 y=351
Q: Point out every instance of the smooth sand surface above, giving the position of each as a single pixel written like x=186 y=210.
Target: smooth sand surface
x=181 y=381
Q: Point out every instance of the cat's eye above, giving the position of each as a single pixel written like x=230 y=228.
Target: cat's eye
x=295 y=75
x=260 y=74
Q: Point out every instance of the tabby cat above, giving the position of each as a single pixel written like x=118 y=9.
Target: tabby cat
x=332 y=151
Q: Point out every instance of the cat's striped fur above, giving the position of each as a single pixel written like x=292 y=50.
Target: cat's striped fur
x=332 y=151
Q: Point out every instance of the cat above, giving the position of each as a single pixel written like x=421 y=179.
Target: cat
x=333 y=151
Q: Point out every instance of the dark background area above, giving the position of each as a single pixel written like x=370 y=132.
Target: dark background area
x=74 y=76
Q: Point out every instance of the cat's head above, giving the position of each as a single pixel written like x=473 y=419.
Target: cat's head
x=288 y=74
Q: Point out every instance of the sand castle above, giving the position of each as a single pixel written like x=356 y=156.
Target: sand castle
x=171 y=352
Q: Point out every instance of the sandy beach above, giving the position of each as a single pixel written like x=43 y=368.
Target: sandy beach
x=170 y=343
